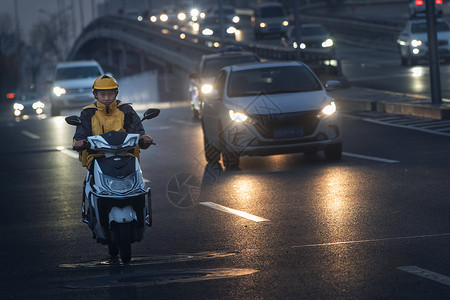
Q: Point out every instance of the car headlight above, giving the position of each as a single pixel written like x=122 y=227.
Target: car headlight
x=237 y=116
x=194 y=13
x=58 y=91
x=262 y=25
x=206 y=88
x=207 y=31
x=416 y=43
x=285 y=23
x=164 y=18
x=181 y=16
x=18 y=106
x=38 y=104
x=235 y=19
x=327 y=43
x=231 y=30
x=328 y=110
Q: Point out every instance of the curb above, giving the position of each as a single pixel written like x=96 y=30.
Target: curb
x=364 y=99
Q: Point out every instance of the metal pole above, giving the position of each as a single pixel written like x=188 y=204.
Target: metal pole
x=16 y=17
x=298 y=25
x=222 y=27
x=435 y=79
x=93 y=10
x=81 y=15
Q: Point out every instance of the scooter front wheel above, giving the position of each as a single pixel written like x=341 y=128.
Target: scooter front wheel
x=125 y=242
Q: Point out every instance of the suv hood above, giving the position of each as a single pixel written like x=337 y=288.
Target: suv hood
x=75 y=83
x=279 y=103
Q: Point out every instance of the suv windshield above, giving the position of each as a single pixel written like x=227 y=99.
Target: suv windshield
x=276 y=80
x=77 y=72
x=272 y=12
x=212 y=66
x=422 y=27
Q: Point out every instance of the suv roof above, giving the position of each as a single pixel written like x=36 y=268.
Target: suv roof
x=229 y=53
x=77 y=63
x=269 y=64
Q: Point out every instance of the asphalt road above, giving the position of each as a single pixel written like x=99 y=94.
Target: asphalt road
x=373 y=225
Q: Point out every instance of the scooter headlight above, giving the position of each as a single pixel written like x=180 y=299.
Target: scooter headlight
x=120 y=185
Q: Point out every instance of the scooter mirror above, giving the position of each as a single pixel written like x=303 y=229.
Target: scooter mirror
x=73 y=120
x=151 y=113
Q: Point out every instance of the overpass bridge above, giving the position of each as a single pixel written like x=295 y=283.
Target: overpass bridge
x=125 y=47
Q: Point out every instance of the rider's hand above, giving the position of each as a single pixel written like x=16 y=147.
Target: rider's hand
x=80 y=145
x=145 y=141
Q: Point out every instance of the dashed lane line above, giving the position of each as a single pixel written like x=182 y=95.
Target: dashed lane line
x=67 y=152
x=426 y=274
x=30 y=135
x=234 y=211
x=374 y=240
x=389 y=161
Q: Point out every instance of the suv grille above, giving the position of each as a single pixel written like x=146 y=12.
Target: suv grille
x=286 y=125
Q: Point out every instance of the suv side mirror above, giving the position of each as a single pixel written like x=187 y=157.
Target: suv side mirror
x=332 y=85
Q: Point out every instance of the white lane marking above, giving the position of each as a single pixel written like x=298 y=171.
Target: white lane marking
x=407 y=127
x=30 y=135
x=426 y=274
x=390 y=161
x=67 y=152
x=182 y=122
x=375 y=240
x=234 y=211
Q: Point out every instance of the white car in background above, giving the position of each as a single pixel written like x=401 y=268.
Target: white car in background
x=269 y=108
x=413 y=41
x=72 y=84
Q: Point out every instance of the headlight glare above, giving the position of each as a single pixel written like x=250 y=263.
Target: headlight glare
x=327 y=43
x=207 y=88
x=416 y=43
x=329 y=109
x=18 y=106
x=58 y=91
x=237 y=116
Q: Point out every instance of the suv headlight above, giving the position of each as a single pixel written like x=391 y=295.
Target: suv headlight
x=237 y=116
x=327 y=43
x=328 y=110
x=206 y=88
x=416 y=43
x=58 y=91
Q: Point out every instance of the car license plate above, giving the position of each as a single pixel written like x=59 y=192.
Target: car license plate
x=288 y=132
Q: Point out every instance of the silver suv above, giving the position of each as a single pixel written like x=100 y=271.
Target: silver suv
x=72 y=84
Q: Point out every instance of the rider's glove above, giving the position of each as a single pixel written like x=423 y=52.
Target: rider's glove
x=80 y=145
x=145 y=141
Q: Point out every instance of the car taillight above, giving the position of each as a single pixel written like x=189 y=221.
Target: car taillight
x=438 y=1
x=420 y=2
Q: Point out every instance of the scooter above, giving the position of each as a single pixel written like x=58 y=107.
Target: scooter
x=116 y=205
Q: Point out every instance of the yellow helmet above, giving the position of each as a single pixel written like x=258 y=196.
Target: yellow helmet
x=105 y=82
